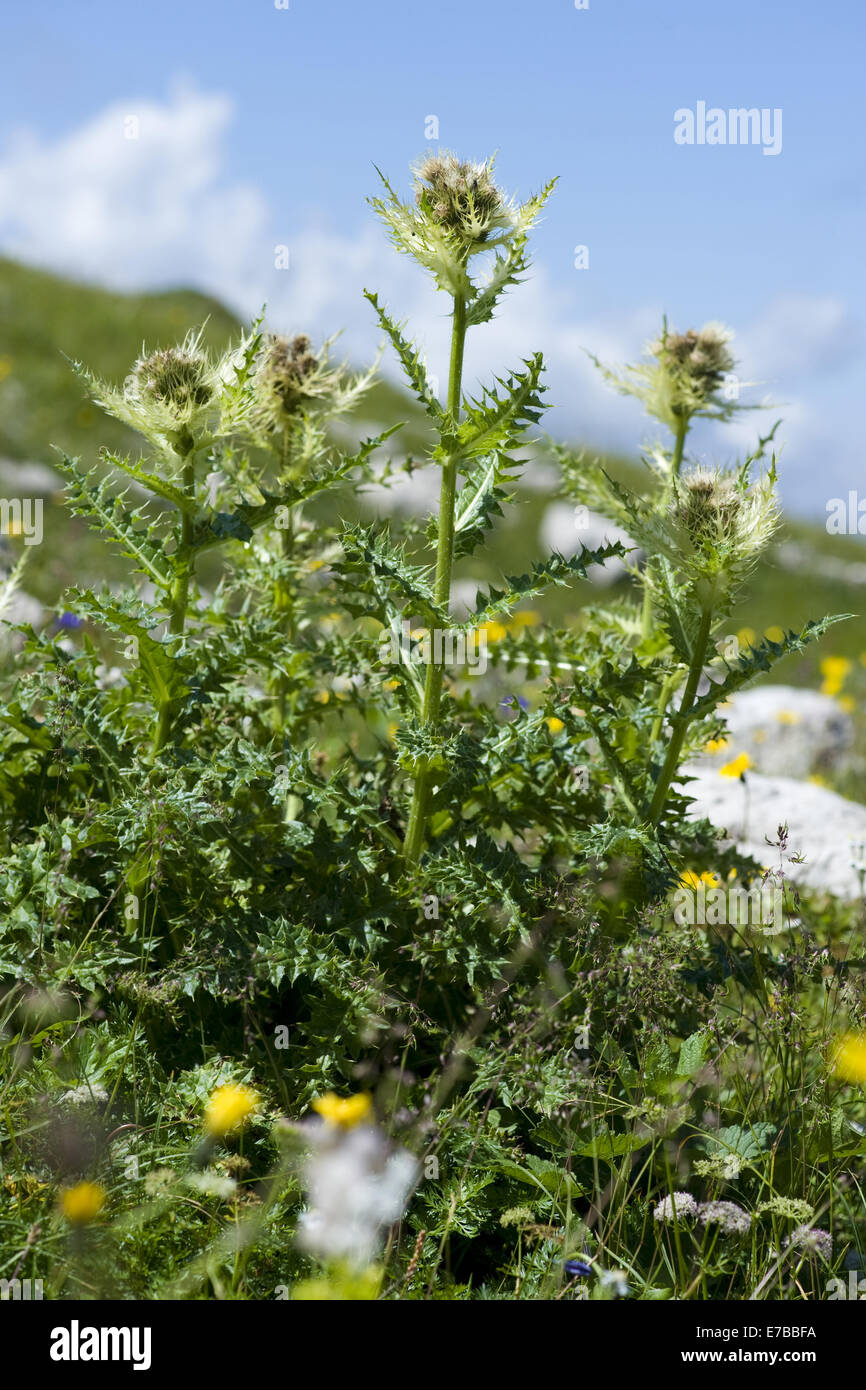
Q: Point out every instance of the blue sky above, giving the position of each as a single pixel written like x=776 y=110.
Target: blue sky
x=260 y=126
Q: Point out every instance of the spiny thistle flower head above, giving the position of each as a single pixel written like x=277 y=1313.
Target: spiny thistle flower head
x=719 y=524
x=688 y=376
x=462 y=196
x=708 y=505
x=678 y=1206
x=293 y=382
x=457 y=212
x=228 y=1109
x=700 y=357
x=181 y=398
x=177 y=378
x=727 y=1216
x=712 y=527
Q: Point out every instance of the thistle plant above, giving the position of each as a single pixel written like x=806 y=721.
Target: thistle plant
x=458 y=214
x=248 y=872
x=703 y=531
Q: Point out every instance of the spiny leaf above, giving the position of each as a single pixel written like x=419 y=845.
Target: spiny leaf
x=161 y=670
x=754 y=662
x=410 y=360
x=152 y=482
x=495 y=421
x=544 y=575
x=107 y=514
x=509 y=264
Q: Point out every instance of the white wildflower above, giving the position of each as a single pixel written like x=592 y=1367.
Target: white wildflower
x=679 y=1206
x=356 y=1185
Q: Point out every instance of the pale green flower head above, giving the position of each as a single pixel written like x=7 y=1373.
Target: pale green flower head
x=293 y=383
x=690 y=374
x=720 y=524
x=182 y=398
x=458 y=212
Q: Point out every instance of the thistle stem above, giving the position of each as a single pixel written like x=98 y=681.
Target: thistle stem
x=682 y=721
x=682 y=429
x=417 y=827
x=178 y=599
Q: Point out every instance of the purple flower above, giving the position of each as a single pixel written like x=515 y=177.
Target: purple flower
x=68 y=621
x=508 y=701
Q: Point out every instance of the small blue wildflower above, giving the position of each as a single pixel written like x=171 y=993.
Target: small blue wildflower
x=578 y=1269
x=508 y=701
x=68 y=621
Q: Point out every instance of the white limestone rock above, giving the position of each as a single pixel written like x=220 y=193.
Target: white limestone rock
x=787 y=731
x=829 y=830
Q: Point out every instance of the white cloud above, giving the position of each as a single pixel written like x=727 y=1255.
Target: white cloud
x=158 y=210
x=134 y=211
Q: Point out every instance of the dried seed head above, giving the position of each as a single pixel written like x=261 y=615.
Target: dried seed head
x=175 y=377
x=461 y=196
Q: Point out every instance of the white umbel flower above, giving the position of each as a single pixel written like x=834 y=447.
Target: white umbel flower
x=357 y=1184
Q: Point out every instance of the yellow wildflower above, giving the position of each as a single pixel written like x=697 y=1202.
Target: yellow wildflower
x=83 y=1203
x=229 y=1108
x=737 y=766
x=774 y=634
x=834 y=669
x=746 y=636
x=529 y=618
x=345 y=1111
x=692 y=880
x=554 y=725
x=849 y=1064
x=494 y=632
x=715 y=745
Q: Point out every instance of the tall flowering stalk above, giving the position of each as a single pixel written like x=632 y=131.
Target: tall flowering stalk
x=184 y=402
x=458 y=214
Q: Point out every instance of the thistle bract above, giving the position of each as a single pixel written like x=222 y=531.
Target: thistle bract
x=292 y=382
x=181 y=398
x=688 y=376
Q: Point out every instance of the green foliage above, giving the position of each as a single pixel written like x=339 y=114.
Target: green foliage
x=243 y=846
